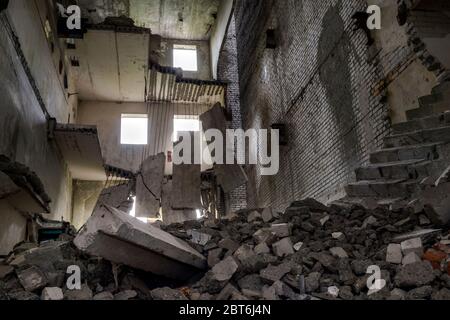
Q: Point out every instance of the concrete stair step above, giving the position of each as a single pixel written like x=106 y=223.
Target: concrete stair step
x=421 y=136
x=399 y=188
x=410 y=169
x=429 y=110
x=435 y=121
x=425 y=151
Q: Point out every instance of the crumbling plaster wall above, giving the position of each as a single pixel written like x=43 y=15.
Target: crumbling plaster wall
x=325 y=84
x=24 y=127
x=107 y=117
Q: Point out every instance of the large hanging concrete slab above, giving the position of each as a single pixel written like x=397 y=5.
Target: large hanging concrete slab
x=149 y=186
x=186 y=187
x=231 y=176
x=122 y=239
x=169 y=215
x=117 y=197
x=80 y=147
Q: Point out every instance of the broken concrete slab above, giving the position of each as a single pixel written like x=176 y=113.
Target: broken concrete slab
x=116 y=196
x=122 y=239
x=273 y=273
x=186 y=183
x=262 y=248
x=52 y=294
x=253 y=216
x=32 y=279
x=149 y=183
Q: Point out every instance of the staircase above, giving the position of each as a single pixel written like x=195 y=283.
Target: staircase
x=417 y=152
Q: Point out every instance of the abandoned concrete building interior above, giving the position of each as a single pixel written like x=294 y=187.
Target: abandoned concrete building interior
x=95 y=206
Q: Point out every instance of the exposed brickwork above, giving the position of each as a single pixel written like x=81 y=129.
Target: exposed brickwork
x=323 y=82
x=228 y=71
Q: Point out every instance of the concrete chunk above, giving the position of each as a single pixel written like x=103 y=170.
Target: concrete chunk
x=410 y=258
x=122 y=239
x=281 y=230
x=394 y=254
x=412 y=246
x=52 y=294
x=225 y=270
x=149 y=186
x=267 y=215
x=339 y=253
x=283 y=247
x=32 y=279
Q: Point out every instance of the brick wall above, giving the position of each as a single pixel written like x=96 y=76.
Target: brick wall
x=228 y=71
x=323 y=82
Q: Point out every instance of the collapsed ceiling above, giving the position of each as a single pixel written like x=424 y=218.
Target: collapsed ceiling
x=172 y=19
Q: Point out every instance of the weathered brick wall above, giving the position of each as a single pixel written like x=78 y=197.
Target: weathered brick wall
x=323 y=82
x=228 y=71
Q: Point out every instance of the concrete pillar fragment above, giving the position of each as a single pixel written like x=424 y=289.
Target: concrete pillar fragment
x=149 y=186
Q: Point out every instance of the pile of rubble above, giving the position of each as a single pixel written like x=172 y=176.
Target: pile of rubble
x=309 y=252
x=317 y=252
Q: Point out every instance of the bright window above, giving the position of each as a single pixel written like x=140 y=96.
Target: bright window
x=185 y=57
x=185 y=124
x=134 y=129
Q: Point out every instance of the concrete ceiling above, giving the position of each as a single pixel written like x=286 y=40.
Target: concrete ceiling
x=113 y=66
x=172 y=19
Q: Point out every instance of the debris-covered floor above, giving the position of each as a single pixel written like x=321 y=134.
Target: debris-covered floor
x=309 y=252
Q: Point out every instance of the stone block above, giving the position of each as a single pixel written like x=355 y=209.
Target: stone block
x=32 y=279
x=394 y=254
x=412 y=246
x=225 y=270
x=283 y=247
x=122 y=239
x=53 y=294
x=282 y=230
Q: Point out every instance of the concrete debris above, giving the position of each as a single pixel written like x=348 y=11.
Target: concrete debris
x=394 y=254
x=246 y=260
x=283 y=247
x=53 y=294
x=122 y=239
x=32 y=279
x=225 y=270
x=412 y=246
x=167 y=294
x=267 y=215
x=85 y=293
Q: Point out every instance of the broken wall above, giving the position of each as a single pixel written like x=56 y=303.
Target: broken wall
x=325 y=84
x=23 y=123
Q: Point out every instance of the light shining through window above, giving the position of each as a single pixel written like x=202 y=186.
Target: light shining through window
x=134 y=129
x=185 y=57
